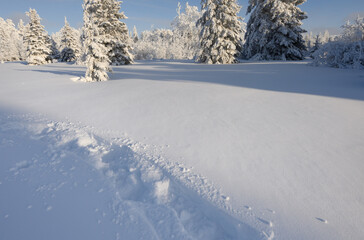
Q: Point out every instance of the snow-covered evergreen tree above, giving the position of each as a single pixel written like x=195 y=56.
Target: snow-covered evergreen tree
x=221 y=32
x=119 y=40
x=274 y=31
x=22 y=29
x=316 y=45
x=135 y=36
x=55 y=54
x=10 y=41
x=38 y=46
x=70 y=47
x=96 y=40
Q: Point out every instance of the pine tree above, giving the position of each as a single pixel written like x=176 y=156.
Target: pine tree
x=316 y=46
x=22 y=29
x=274 y=31
x=38 y=47
x=95 y=39
x=55 y=54
x=119 y=39
x=135 y=36
x=69 y=43
x=221 y=32
x=10 y=41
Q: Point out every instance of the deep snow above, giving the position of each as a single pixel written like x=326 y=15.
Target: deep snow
x=255 y=150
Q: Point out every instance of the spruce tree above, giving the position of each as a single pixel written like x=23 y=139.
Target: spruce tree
x=95 y=40
x=274 y=31
x=70 y=48
x=135 y=36
x=38 y=47
x=119 y=39
x=10 y=41
x=221 y=32
x=22 y=29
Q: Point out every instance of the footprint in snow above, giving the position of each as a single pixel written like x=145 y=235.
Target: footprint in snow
x=271 y=211
x=269 y=223
x=248 y=207
x=322 y=220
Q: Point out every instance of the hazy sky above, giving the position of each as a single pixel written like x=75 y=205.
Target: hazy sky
x=322 y=14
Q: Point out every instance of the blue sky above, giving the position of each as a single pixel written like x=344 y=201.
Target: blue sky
x=323 y=14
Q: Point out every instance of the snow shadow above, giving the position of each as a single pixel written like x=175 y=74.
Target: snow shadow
x=292 y=77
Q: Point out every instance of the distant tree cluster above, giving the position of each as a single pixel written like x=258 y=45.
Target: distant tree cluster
x=346 y=51
x=214 y=35
x=180 y=42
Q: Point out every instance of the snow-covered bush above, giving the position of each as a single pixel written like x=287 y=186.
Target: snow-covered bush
x=273 y=31
x=38 y=44
x=347 y=51
x=182 y=42
x=155 y=44
x=341 y=54
x=11 y=43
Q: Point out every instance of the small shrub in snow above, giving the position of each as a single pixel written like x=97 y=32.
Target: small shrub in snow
x=340 y=54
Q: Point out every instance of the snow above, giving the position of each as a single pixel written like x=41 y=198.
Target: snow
x=257 y=150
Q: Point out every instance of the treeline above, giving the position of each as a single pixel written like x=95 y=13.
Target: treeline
x=214 y=35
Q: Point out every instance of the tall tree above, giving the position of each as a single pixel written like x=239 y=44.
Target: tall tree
x=135 y=36
x=38 y=47
x=119 y=40
x=185 y=33
x=96 y=39
x=221 y=32
x=70 y=47
x=274 y=31
x=10 y=41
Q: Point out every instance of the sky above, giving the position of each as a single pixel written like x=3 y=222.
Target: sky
x=147 y=14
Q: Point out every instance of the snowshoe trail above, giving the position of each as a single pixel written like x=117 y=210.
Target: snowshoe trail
x=147 y=196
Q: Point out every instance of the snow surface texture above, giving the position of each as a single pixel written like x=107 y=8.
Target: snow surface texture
x=254 y=150
x=58 y=180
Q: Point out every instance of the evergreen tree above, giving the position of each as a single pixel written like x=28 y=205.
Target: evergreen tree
x=95 y=40
x=69 y=43
x=119 y=39
x=10 y=41
x=221 y=32
x=38 y=46
x=55 y=54
x=316 y=45
x=135 y=36
x=274 y=31
x=22 y=29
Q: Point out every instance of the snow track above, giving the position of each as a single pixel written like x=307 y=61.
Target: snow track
x=146 y=196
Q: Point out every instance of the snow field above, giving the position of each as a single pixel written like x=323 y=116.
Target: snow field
x=151 y=198
x=282 y=140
